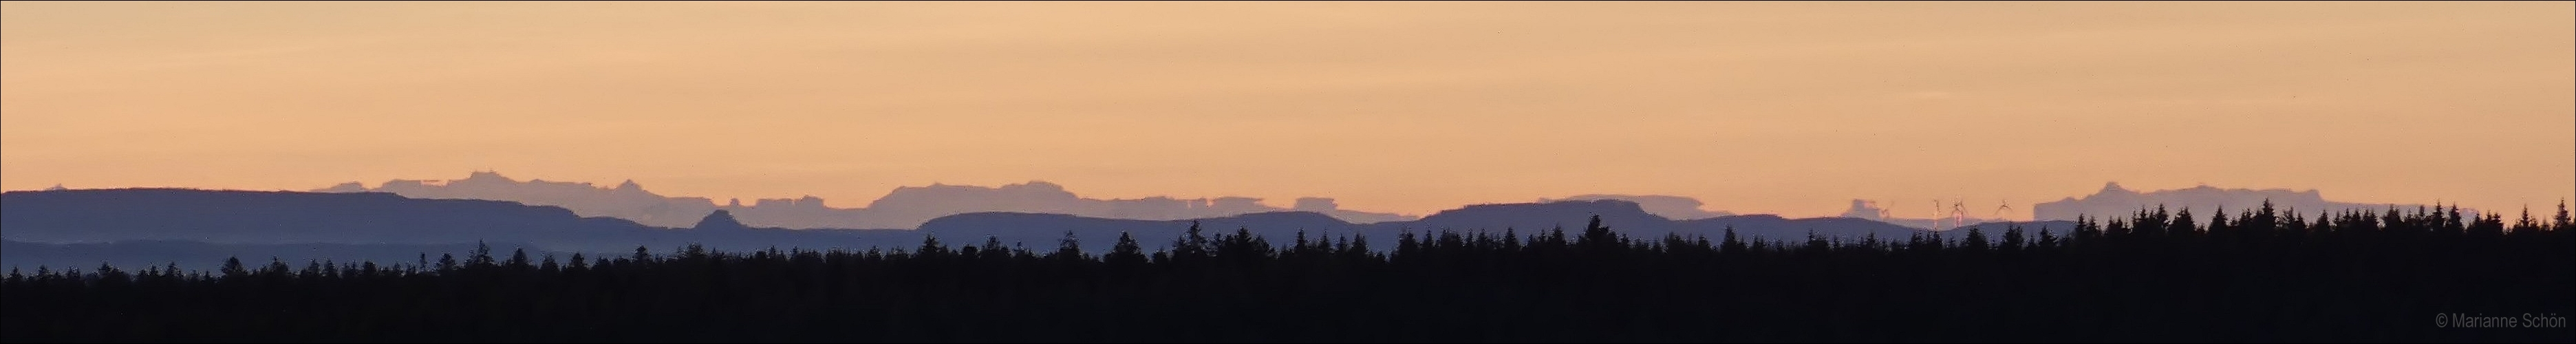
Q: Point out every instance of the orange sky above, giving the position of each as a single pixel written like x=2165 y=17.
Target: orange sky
x=1780 y=107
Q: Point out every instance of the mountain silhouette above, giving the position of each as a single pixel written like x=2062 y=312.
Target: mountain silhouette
x=2117 y=202
x=903 y=208
x=719 y=220
x=254 y=224
x=1670 y=207
x=106 y=215
x=265 y=217
x=1632 y=219
x=1627 y=218
x=1623 y=215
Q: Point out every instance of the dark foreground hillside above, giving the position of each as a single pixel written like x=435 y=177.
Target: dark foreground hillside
x=2420 y=275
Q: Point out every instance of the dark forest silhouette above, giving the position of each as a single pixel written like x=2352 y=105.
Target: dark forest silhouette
x=2258 y=275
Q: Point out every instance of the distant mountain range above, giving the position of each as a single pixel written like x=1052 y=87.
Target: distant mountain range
x=1670 y=207
x=904 y=208
x=139 y=226
x=2117 y=202
x=145 y=223
x=257 y=217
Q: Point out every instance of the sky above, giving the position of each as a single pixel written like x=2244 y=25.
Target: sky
x=1411 y=107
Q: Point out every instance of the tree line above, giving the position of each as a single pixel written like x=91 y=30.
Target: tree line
x=2260 y=274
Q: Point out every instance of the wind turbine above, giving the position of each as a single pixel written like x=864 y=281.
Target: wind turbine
x=1999 y=209
x=1959 y=210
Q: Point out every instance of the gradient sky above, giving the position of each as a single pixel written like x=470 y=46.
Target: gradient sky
x=1778 y=107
